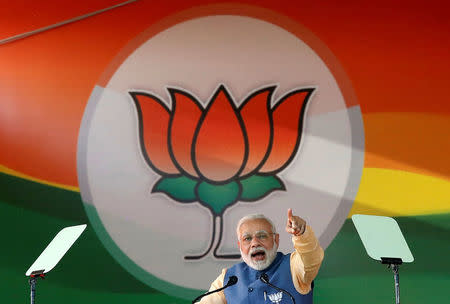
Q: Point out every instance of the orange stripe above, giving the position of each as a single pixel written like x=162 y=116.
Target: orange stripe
x=413 y=142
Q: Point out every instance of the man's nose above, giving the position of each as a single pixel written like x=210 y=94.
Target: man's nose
x=255 y=242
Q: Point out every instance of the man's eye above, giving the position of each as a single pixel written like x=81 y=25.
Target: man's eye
x=247 y=238
x=262 y=236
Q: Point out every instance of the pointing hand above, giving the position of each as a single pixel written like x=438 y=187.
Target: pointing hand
x=295 y=225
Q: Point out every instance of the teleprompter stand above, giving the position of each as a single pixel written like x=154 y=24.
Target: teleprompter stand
x=383 y=241
x=51 y=255
x=394 y=264
x=34 y=276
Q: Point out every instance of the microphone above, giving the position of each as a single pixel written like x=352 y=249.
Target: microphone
x=265 y=279
x=231 y=281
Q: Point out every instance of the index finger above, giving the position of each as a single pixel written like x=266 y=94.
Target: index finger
x=290 y=214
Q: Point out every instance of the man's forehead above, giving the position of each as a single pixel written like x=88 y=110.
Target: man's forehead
x=254 y=226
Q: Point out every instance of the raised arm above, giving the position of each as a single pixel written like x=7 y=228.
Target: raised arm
x=308 y=255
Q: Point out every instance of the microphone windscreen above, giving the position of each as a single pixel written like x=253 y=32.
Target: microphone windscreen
x=232 y=280
x=265 y=278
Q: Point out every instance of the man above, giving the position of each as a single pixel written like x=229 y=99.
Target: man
x=258 y=243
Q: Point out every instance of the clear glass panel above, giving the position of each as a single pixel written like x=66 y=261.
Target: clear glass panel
x=56 y=249
x=382 y=237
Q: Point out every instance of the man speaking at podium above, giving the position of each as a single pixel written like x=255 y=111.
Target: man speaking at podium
x=258 y=242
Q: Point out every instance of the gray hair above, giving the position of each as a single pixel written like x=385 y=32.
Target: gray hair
x=254 y=217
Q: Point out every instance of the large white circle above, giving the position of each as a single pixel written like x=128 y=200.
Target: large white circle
x=155 y=232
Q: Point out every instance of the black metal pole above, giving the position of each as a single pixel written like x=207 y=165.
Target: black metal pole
x=35 y=275
x=32 y=281
x=394 y=268
x=394 y=264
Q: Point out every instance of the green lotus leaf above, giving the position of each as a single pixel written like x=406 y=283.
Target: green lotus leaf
x=181 y=188
x=256 y=187
x=218 y=197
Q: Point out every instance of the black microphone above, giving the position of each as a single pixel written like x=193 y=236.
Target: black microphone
x=265 y=279
x=231 y=281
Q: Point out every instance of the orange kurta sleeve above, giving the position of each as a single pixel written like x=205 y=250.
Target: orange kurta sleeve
x=305 y=260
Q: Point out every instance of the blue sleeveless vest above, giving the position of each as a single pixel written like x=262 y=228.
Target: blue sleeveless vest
x=250 y=290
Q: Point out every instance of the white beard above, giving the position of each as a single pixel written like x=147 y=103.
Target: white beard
x=260 y=265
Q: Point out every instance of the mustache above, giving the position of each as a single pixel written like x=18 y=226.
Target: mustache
x=256 y=249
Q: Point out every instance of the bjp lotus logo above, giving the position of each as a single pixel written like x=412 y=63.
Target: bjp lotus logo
x=222 y=153
x=165 y=174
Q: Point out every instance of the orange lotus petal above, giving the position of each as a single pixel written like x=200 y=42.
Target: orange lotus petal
x=186 y=114
x=153 y=126
x=220 y=144
x=288 y=115
x=255 y=112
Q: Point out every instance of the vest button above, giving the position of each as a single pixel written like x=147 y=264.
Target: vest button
x=250 y=289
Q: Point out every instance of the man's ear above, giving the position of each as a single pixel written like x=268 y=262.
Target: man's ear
x=277 y=239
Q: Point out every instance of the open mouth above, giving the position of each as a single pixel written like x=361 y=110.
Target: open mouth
x=258 y=255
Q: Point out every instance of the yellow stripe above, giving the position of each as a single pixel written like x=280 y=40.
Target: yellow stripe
x=400 y=193
x=12 y=172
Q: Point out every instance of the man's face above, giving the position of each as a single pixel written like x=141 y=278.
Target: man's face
x=257 y=243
